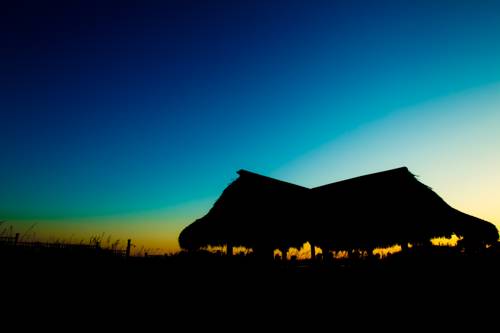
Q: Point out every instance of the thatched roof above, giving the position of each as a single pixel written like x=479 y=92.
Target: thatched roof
x=386 y=208
x=253 y=211
x=373 y=210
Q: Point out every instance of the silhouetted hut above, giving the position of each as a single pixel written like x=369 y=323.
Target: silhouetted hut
x=380 y=209
x=388 y=208
x=254 y=211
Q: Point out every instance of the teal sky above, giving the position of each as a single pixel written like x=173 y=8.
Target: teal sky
x=131 y=118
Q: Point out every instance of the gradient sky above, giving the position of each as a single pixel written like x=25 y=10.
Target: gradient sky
x=130 y=118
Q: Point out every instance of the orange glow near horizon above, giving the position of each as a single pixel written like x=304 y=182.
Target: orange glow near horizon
x=215 y=249
x=242 y=250
x=222 y=249
x=148 y=234
x=154 y=236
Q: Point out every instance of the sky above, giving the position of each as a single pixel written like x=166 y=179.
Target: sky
x=129 y=118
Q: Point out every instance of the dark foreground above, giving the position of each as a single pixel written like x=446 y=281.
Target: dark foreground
x=428 y=282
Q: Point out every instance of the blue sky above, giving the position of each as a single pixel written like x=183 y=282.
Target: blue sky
x=113 y=112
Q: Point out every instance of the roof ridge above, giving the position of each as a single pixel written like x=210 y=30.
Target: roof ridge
x=403 y=169
x=243 y=172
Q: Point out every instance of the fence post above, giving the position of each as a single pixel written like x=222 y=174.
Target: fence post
x=16 y=239
x=127 y=254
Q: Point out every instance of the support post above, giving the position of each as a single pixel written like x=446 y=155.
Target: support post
x=129 y=244
x=326 y=254
x=284 y=251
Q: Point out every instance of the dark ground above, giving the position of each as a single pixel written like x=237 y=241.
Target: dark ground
x=425 y=285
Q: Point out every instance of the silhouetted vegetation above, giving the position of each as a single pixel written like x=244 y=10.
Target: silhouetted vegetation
x=197 y=282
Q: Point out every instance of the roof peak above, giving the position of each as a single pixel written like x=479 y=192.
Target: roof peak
x=246 y=172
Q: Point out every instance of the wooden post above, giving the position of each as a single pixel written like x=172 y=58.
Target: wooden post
x=326 y=254
x=284 y=251
x=313 y=251
x=229 y=250
x=16 y=239
x=127 y=253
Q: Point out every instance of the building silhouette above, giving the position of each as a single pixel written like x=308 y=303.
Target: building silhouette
x=375 y=210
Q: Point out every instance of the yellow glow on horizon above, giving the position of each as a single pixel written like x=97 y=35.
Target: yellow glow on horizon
x=220 y=249
x=343 y=254
x=242 y=250
x=151 y=234
x=444 y=241
x=300 y=254
x=155 y=232
x=383 y=252
x=304 y=253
